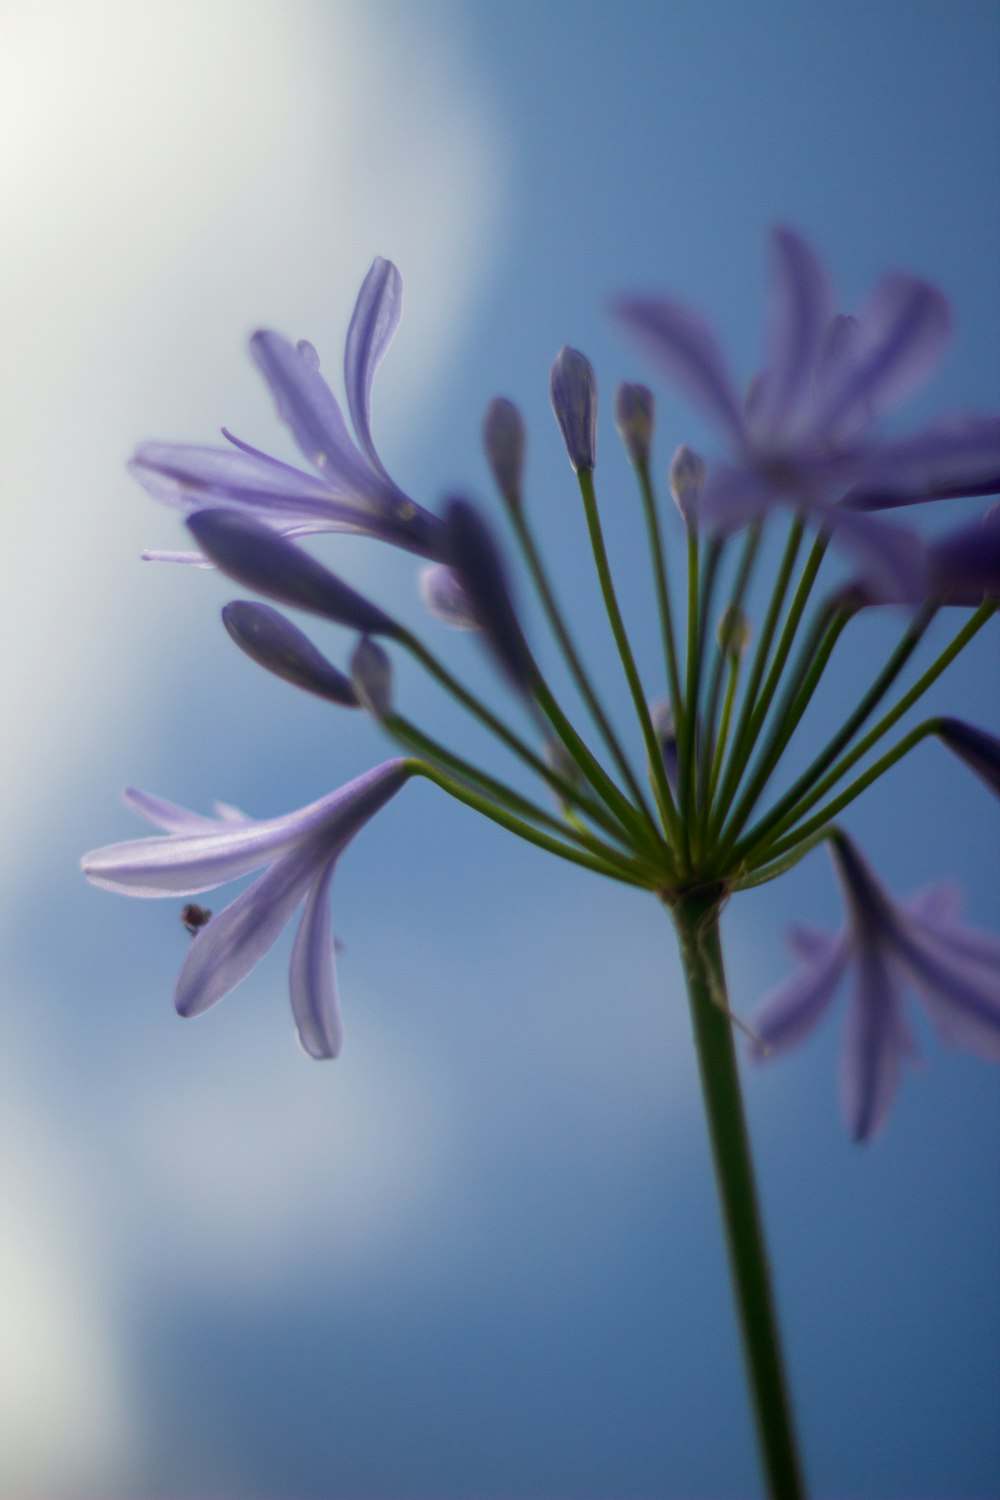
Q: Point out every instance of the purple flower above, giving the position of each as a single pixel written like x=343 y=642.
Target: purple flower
x=353 y=491
x=961 y=567
x=802 y=435
x=919 y=945
x=278 y=646
x=300 y=851
x=976 y=747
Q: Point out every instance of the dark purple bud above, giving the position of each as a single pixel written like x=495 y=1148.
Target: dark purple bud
x=634 y=411
x=979 y=750
x=476 y=559
x=663 y=724
x=965 y=563
x=573 y=388
x=503 y=439
x=445 y=597
x=687 y=480
x=262 y=560
x=371 y=670
x=280 y=647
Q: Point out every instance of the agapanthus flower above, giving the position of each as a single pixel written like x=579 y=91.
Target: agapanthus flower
x=300 y=851
x=803 y=434
x=961 y=567
x=918 y=944
x=351 y=489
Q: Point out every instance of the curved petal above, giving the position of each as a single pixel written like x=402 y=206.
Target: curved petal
x=895 y=562
x=875 y=1041
x=373 y=324
x=186 y=475
x=734 y=497
x=902 y=334
x=799 y=316
x=790 y=1012
x=186 y=864
x=685 y=349
x=308 y=407
x=941 y=462
x=169 y=816
x=312 y=977
x=960 y=992
x=232 y=943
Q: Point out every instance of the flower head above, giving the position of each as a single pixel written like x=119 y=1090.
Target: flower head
x=803 y=434
x=300 y=852
x=353 y=491
x=918 y=944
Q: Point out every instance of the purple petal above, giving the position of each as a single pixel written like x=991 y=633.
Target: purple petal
x=232 y=943
x=790 y=1012
x=573 y=389
x=169 y=816
x=799 y=318
x=943 y=462
x=477 y=561
x=965 y=563
x=186 y=864
x=312 y=977
x=734 y=497
x=685 y=348
x=960 y=992
x=184 y=475
x=902 y=334
x=894 y=561
x=445 y=597
x=308 y=407
x=979 y=750
x=876 y=1040
x=504 y=442
x=260 y=559
x=634 y=413
x=280 y=647
x=373 y=323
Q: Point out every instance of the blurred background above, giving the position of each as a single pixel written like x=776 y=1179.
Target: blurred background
x=479 y=1255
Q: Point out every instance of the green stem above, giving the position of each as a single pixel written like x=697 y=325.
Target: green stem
x=696 y=918
x=536 y=567
x=661 y=785
x=660 y=577
x=712 y=759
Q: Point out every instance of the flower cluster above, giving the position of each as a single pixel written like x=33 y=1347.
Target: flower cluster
x=690 y=817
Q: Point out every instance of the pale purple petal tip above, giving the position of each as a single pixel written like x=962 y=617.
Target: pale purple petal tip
x=371 y=672
x=504 y=442
x=685 y=349
x=445 y=597
x=635 y=411
x=373 y=325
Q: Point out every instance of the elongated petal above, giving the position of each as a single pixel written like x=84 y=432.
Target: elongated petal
x=374 y=322
x=942 y=462
x=169 y=816
x=280 y=647
x=476 y=559
x=894 y=561
x=875 y=1042
x=902 y=335
x=234 y=942
x=504 y=443
x=187 y=476
x=309 y=409
x=798 y=321
x=791 y=1011
x=445 y=597
x=573 y=389
x=685 y=349
x=261 y=560
x=961 y=990
x=965 y=563
x=979 y=750
x=312 y=976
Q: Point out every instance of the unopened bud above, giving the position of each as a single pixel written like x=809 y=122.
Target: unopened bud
x=687 y=480
x=503 y=439
x=733 y=632
x=371 y=673
x=634 y=411
x=573 y=388
x=666 y=733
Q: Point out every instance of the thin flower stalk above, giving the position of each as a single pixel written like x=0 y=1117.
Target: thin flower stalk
x=711 y=757
x=662 y=585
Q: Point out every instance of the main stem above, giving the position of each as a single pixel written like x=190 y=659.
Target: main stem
x=696 y=918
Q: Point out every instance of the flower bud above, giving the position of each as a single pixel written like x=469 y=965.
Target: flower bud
x=733 y=633
x=278 y=646
x=371 y=673
x=979 y=750
x=503 y=439
x=445 y=597
x=476 y=559
x=634 y=411
x=663 y=726
x=573 y=388
x=687 y=480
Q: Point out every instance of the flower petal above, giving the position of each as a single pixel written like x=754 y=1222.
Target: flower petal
x=312 y=977
x=232 y=943
x=167 y=815
x=960 y=992
x=187 y=476
x=875 y=1041
x=946 y=461
x=373 y=324
x=280 y=647
x=445 y=597
x=788 y=1014
x=477 y=561
x=799 y=319
x=685 y=348
x=308 y=407
x=262 y=560
x=979 y=750
x=901 y=337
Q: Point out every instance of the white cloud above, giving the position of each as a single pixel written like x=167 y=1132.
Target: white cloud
x=173 y=176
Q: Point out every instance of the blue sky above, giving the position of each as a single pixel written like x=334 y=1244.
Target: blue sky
x=480 y=1255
